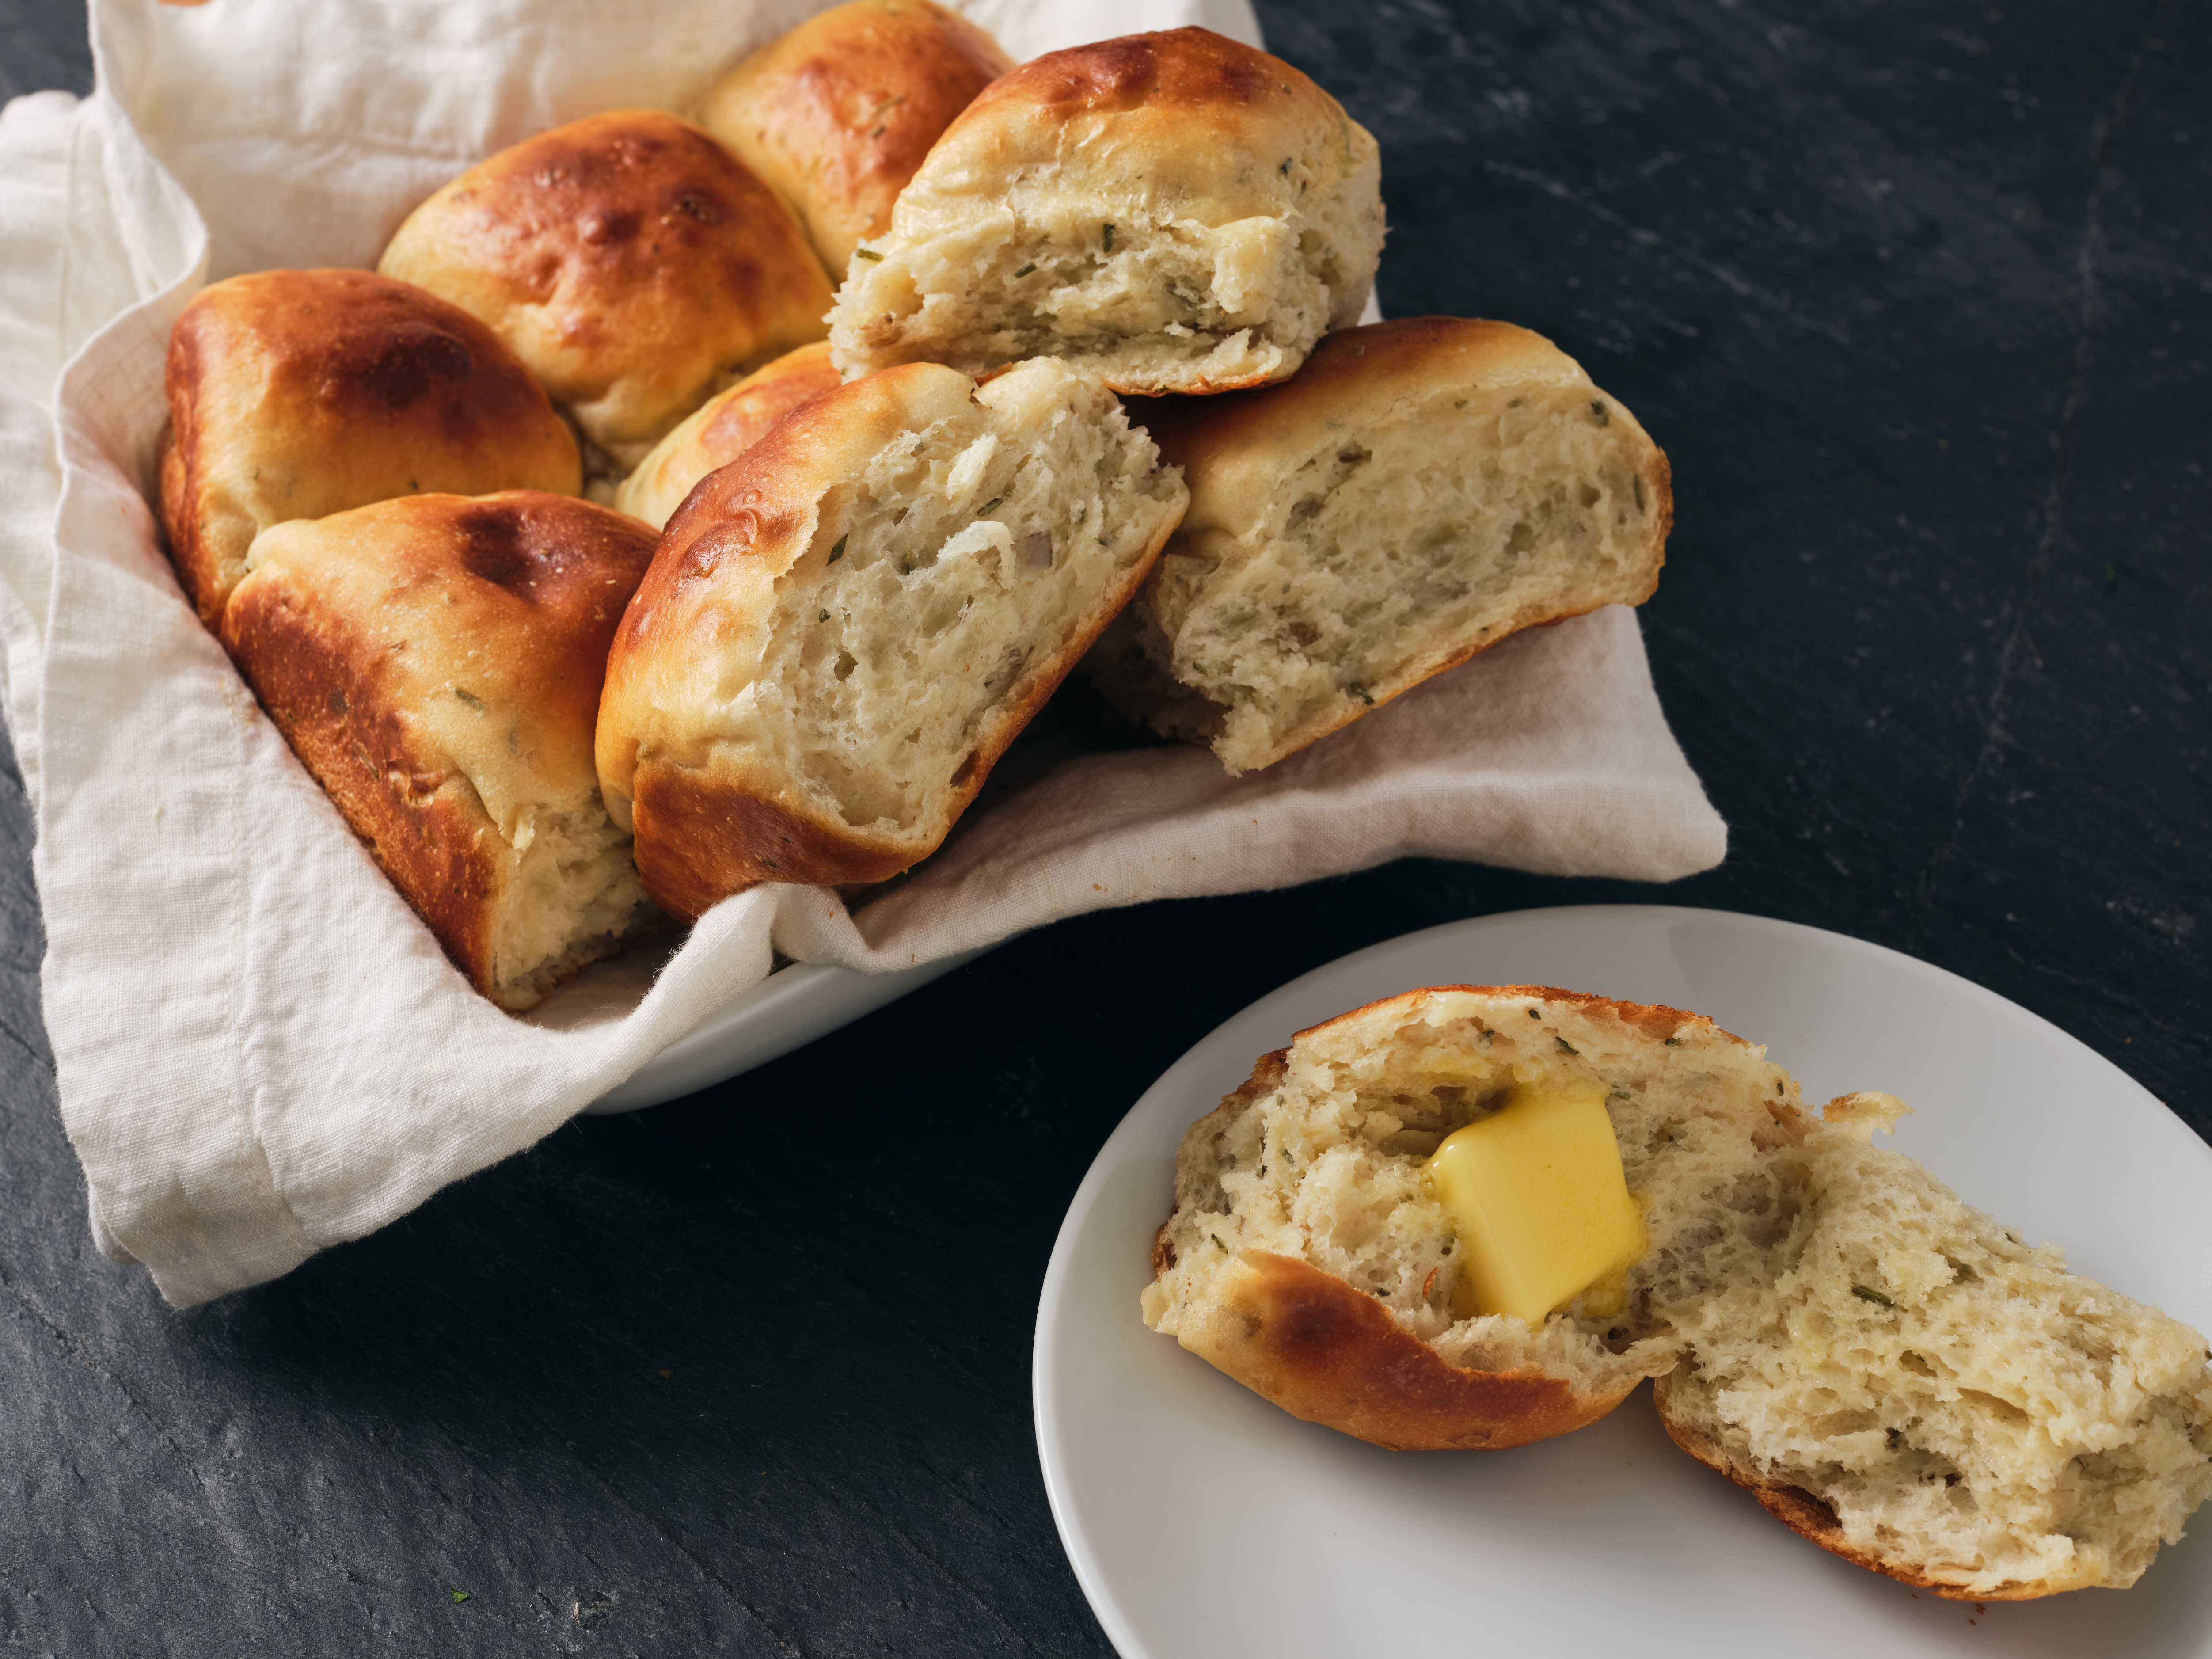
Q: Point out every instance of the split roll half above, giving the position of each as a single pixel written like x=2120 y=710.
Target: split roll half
x=1893 y=1374
x=435 y=661
x=1423 y=489
x=846 y=626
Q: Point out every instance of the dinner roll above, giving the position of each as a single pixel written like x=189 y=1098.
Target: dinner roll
x=293 y=394
x=724 y=428
x=629 y=259
x=435 y=662
x=1424 y=489
x=846 y=626
x=838 y=114
x=1305 y=1257
x=1175 y=212
x=1894 y=1375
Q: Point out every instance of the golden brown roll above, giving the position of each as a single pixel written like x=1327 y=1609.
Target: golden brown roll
x=724 y=428
x=293 y=394
x=846 y=626
x=1422 y=489
x=435 y=662
x=838 y=114
x=629 y=259
x=1176 y=212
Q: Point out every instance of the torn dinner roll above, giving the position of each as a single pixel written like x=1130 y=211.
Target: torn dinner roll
x=1424 y=489
x=1175 y=212
x=435 y=662
x=1894 y=1376
x=845 y=627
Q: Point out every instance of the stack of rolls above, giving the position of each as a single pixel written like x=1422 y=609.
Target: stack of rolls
x=844 y=354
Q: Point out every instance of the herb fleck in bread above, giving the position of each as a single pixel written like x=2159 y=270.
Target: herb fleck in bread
x=1892 y=1374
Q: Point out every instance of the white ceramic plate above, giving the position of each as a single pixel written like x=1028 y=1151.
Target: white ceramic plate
x=1202 y=1521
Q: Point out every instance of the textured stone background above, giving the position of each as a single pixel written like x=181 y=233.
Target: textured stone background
x=1917 y=294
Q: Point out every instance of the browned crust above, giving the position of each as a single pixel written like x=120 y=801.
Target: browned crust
x=1323 y=1351
x=838 y=114
x=352 y=387
x=753 y=407
x=318 y=677
x=629 y=259
x=524 y=575
x=700 y=839
x=730 y=423
x=1804 y=1513
x=1342 y=365
x=1188 y=69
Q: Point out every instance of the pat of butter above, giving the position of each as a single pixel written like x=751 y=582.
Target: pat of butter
x=1541 y=1205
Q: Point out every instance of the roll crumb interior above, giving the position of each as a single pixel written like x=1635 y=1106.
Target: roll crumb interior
x=845 y=627
x=1176 y=211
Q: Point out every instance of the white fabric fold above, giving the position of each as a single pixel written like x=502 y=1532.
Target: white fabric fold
x=260 y=1051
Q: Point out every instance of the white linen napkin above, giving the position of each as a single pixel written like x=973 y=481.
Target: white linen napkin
x=260 y=1051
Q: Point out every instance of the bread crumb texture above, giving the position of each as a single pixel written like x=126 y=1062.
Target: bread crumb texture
x=1324 y=1165
x=1344 y=545
x=969 y=552
x=1176 y=211
x=1833 y=1325
x=571 y=895
x=1967 y=1408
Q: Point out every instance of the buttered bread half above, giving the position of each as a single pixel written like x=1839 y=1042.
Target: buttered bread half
x=1473 y=1217
x=1309 y=1256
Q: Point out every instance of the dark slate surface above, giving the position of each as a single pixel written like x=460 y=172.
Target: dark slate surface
x=1917 y=294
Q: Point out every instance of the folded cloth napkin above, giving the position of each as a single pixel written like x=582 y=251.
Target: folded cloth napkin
x=259 y=1050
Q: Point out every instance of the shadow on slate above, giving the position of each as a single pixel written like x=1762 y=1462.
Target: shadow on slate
x=1918 y=299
